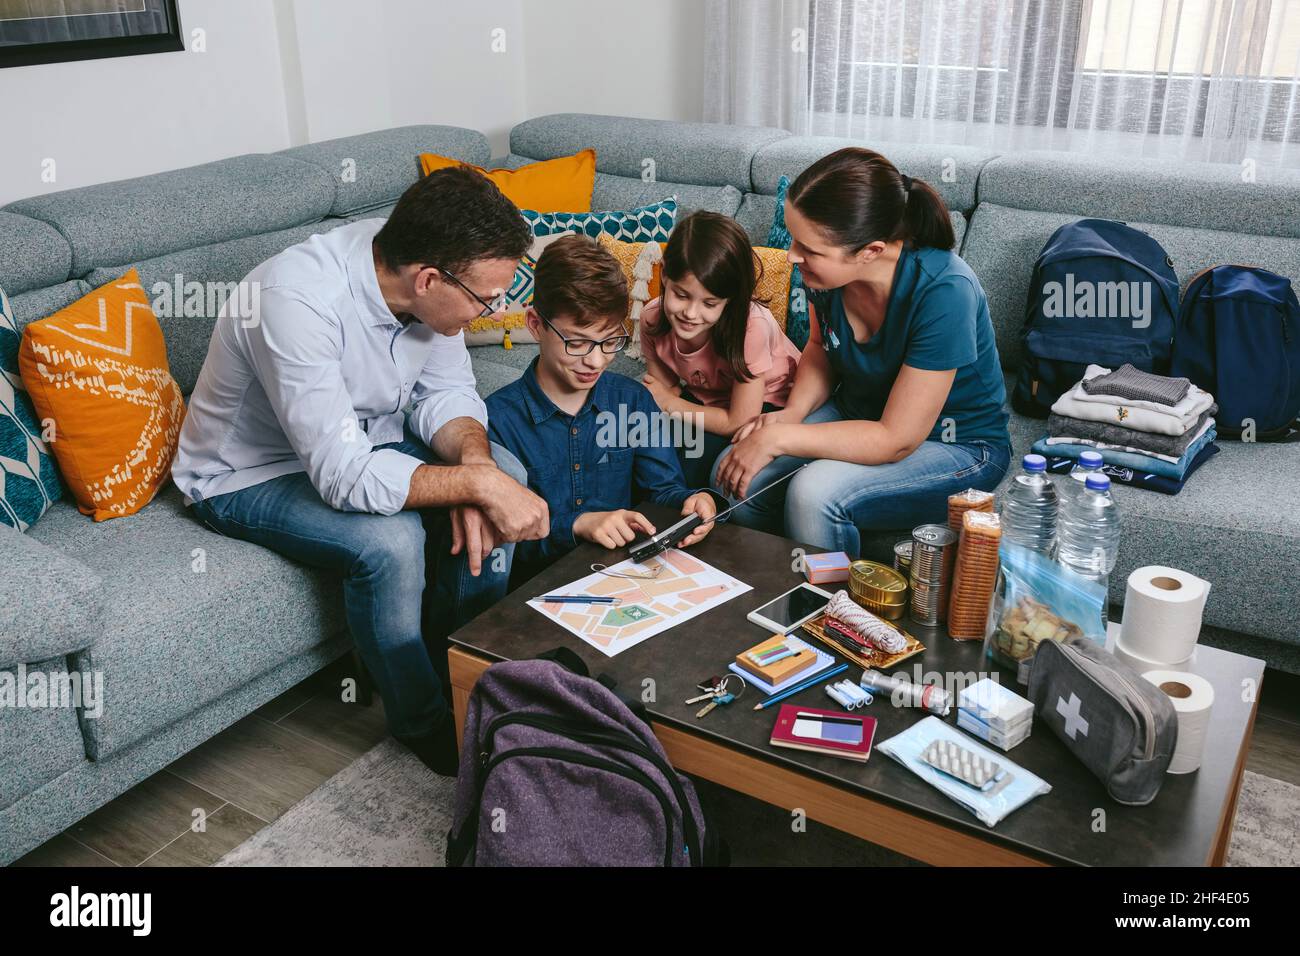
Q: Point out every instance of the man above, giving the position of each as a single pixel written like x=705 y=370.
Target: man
x=297 y=439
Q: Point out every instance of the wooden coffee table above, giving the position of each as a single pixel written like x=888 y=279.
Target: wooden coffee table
x=1189 y=823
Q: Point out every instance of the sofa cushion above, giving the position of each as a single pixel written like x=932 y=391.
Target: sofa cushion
x=114 y=223
x=616 y=192
x=374 y=169
x=702 y=154
x=562 y=184
x=50 y=603
x=187 y=317
x=1197 y=195
x=952 y=170
x=188 y=614
x=37 y=743
x=32 y=254
x=1003 y=243
x=39 y=303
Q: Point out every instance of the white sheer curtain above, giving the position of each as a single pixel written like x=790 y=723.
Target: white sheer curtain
x=1212 y=80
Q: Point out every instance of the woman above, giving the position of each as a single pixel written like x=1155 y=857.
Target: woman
x=898 y=400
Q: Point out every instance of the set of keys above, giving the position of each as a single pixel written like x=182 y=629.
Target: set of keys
x=716 y=693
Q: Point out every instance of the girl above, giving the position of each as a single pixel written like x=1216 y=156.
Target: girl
x=707 y=330
x=899 y=398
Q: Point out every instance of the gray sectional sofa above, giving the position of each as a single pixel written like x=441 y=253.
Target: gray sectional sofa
x=193 y=631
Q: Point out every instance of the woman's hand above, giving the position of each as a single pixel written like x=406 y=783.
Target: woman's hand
x=757 y=422
x=750 y=455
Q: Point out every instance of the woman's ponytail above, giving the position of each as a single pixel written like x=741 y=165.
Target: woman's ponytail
x=925 y=217
x=857 y=197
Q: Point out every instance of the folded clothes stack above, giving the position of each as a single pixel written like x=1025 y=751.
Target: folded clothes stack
x=1144 y=424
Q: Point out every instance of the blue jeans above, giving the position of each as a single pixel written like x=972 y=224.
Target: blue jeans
x=829 y=503
x=400 y=583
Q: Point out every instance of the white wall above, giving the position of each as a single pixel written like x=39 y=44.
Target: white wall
x=618 y=57
x=101 y=120
x=284 y=72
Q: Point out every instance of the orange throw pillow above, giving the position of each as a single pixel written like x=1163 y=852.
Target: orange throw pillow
x=97 y=371
x=553 y=185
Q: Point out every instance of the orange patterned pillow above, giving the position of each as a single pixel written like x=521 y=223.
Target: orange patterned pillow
x=97 y=371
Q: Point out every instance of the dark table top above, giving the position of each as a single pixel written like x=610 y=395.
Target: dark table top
x=1178 y=828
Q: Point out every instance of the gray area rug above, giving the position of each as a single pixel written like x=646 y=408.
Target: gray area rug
x=387 y=809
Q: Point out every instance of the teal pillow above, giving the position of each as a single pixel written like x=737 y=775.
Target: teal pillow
x=29 y=478
x=778 y=237
x=650 y=223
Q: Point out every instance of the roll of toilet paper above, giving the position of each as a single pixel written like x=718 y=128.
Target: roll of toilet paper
x=1192 y=697
x=1143 y=664
x=1162 y=616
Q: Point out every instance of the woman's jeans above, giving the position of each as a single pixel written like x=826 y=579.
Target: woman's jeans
x=830 y=502
x=400 y=583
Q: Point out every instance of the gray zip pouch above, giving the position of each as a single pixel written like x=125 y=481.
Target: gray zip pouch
x=1122 y=727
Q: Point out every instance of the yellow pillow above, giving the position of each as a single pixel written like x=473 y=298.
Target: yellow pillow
x=98 y=371
x=553 y=185
x=774 y=283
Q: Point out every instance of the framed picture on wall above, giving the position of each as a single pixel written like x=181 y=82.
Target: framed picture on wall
x=55 y=31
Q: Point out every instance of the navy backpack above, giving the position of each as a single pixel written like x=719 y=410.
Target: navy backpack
x=1102 y=293
x=1239 y=339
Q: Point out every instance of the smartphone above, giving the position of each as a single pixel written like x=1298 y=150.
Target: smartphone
x=793 y=608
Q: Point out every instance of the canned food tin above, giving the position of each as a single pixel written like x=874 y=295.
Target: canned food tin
x=934 y=549
x=903 y=557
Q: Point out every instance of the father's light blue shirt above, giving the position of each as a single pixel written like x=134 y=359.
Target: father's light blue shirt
x=316 y=376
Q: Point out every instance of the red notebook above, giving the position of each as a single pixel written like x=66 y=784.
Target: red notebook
x=834 y=732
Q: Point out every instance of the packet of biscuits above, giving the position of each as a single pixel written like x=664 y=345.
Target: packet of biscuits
x=1040 y=600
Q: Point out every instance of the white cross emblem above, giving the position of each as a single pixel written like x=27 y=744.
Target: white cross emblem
x=1074 y=722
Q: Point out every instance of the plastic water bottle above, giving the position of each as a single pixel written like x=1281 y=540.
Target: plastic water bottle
x=1089 y=530
x=1029 y=507
x=1089 y=463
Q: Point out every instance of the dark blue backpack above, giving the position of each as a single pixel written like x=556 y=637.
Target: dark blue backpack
x=1239 y=339
x=1102 y=293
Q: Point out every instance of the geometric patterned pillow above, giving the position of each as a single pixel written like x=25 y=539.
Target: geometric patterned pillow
x=492 y=329
x=650 y=223
x=796 y=326
x=29 y=478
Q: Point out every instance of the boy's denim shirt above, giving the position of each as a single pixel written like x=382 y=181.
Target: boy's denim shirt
x=568 y=463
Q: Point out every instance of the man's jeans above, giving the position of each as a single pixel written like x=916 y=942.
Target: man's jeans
x=400 y=584
x=829 y=503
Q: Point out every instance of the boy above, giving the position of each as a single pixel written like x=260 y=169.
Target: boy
x=555 y=418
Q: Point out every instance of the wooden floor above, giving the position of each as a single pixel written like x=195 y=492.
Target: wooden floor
x=248 y=775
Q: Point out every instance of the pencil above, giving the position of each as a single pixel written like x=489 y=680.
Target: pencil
x=802 y=685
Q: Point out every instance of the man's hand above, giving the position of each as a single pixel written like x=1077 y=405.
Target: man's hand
x=702 y=504
x=515 y=512
x=471 y=530
x=747 y=458
x=611 y=529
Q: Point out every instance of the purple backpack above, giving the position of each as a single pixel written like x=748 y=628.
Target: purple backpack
x=556 y=770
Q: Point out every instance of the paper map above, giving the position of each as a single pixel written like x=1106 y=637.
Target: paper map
x=683 y=587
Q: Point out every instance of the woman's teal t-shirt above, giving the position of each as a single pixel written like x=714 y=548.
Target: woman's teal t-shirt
x=937 y=319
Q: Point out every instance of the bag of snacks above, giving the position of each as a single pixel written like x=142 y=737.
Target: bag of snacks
x=1039 y=600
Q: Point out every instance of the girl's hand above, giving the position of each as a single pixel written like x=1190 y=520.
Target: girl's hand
x=660 y=392
x=748 y=457
x=702 y=504
x=759 y=421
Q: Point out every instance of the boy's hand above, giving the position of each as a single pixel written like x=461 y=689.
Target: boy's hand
x=611 y=529
x=702 y=504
